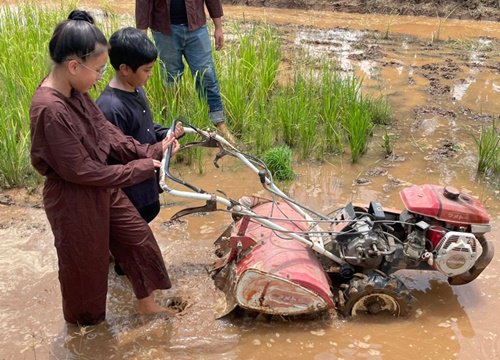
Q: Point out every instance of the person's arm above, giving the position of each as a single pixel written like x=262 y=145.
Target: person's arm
x=215 y=11
x=143 y=10
x=125 y=148
x=218 y=33
x=161 y=132
x=70 y=159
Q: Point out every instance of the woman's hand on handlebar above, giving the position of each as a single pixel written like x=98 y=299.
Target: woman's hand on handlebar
x=176 y=147
x=156 y=163
x=169 y=140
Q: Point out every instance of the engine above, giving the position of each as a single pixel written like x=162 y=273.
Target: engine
x=444 y=227
x=440 y=229
x=363 y=247
x=456 y=253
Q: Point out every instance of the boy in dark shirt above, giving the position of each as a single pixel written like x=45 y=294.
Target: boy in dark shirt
x=124 y=104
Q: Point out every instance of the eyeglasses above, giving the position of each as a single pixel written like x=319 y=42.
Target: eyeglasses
x=99 y=72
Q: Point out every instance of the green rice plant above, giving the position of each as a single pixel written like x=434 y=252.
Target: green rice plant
x=294 y=108
x=308 y=128
x=279 y=162
x=355 y=116
x=259 y=53
x=387 y=143
x=247 y=71
x=269 y=51
x=287 y=133
x=330 y=110
x=261 y=134
x=358 y=126
x=380 y=110
x=235 y=91
x=488 y=145
x=15 y=166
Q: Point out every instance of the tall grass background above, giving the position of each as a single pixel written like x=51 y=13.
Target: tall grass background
x=23 y=42
x=313 y=109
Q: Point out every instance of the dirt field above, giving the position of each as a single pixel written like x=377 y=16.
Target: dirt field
x=459 y=9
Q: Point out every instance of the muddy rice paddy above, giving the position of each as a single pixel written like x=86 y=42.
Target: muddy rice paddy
x=440 y=93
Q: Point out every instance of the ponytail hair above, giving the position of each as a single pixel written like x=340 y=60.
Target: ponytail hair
x=76 y=37
x=81 y=15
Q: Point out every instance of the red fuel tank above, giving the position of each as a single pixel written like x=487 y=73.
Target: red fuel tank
x=445 y=204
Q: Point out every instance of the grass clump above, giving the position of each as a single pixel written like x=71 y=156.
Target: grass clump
x=488 y=145
x=380 y=110
x=358 y=127
x=279 y=162
x=387 y=143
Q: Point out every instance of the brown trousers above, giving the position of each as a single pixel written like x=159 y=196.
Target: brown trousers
x=85 y=234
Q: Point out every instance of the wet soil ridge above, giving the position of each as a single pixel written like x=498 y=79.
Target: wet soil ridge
x=458 y=9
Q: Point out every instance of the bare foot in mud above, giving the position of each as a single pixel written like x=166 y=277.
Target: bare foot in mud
x=148 y=306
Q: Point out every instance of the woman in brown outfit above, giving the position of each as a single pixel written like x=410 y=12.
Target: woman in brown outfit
x=89 y=214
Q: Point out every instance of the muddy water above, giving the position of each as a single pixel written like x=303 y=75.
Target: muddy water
x=438 y=93
x=445 y=323
x=422 y=27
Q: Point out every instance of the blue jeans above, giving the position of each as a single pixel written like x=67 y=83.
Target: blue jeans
x=196 y=48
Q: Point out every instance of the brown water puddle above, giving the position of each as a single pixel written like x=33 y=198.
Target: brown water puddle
x=439 y=92
x=445 y=322
x=422 y=27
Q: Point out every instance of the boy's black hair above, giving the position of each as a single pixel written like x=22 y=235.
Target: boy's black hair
x=76 y=37
x=130 y=46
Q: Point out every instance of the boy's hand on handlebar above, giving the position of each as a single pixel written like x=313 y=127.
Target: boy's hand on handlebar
x=156 y=163
x=179 y=130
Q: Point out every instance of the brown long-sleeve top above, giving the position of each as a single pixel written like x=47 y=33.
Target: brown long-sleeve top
x=155 y=14
x=71 y=140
